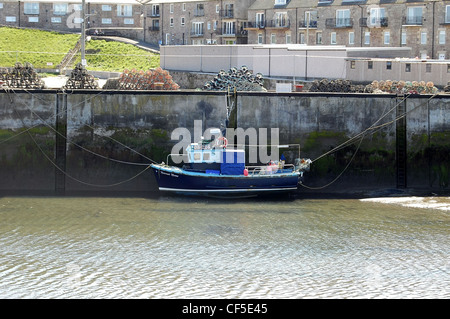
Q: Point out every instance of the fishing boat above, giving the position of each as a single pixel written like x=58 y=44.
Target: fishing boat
x=215 y=168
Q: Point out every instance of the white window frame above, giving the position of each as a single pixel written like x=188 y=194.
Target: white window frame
x=1 y=5
x=351 y=37
x=333 y=38
x=281 y=19
x=171 y=8
x=280 y=2
x=342 y=17
x=124 y=10
x=288 y=38
x=184 y=7
x=441 y=36
x=77 y=20
x=106 y=7
x=367 y=37
x=260 y=38
x=376 y=14
x=106 y=21
x=182 y=20
x=198 y=28
x=404 y=36
x=260 y=19
x=273 y=38
x=217 y=8
x=318 y=37
x=302 y=38
x=33 y=19
x=387 y=37
x=56 y=20
x=423 y=37
x=447 y=14
x=155 y=10
x=128 y=21
x=78 y=7
x=171 y=22
x=10 y=19
x=31 y=8
x=60 y=9
x=412 y=16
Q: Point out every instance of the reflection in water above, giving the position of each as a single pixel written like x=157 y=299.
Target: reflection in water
x=172 y=247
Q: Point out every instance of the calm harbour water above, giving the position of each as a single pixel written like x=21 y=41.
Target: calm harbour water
x=170 y=247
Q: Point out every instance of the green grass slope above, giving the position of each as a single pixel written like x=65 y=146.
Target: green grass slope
x=44 y=49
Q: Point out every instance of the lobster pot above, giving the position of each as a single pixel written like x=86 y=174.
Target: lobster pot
x=233 y=162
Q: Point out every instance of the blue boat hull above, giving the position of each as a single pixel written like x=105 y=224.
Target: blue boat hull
x=178 y=180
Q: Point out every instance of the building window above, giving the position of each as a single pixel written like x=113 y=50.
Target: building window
x=10 y=19
x=31 y=8
x=216 y=23
x=260 y=38
x=56 y=19
x=370 y=65
x=387 y=37
x=106 y=21
x=281 y=19
x=171 y=8
x=155 y=10
x=217 y=8
x=78 y=7
x=403 y=37
x=128 y=21
x=388 y=65
x=333 y=38
x=273 y=38
x=184 y=7
x=343 y=18
x=448 y=68
x=280 y=2
x=447 y=14
x=171 y=21
x=302 y=38
x=197 y=28
x=319 y=38
x=377 y=17
x=77 y=20
x=352 y=64
x=442 y=36
x=366 y=37
x=183 y=21
x=288 y=38
x=351 y=38
x=428 y=67
x=260 y=20
x=33 y=19
x=414 y=16
x=124 y=10
x=408 y=67
x=423 y=38
x=59 y=8
x=106 y=7
x=1 y=5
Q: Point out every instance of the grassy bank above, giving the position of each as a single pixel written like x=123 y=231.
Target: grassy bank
x=44 y=49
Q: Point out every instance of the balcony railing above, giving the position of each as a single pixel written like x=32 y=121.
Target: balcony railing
x=278 y=24
x=197 y=33
x=153 y=28
x=256 y=24
x=153 y=14
x=373 y=22
x=412 y=20
x=199 y=12
x=304 y=24
x=227 y=13
x=339 y=23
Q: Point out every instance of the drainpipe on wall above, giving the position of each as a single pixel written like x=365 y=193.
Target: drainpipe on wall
x=432 y=32
x=18 y=13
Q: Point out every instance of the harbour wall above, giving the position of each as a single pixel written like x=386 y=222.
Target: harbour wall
x=95 y=141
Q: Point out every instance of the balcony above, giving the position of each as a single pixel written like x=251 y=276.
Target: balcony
x=199 y=12
x=195 y=34
x=278 y=24
x=231 y=32
x=412 y=20
x=227 y=13
x=373 y=23
x=256 y=25
x=304 y=24
x=153 y=28
x=339 y=23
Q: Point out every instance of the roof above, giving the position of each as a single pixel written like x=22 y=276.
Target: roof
x=135 y=2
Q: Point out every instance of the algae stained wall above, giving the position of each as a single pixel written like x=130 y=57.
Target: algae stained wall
x=112 y=135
